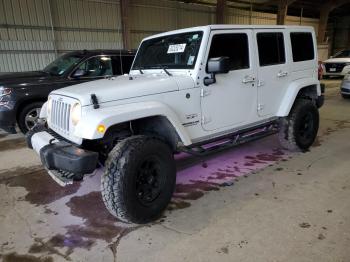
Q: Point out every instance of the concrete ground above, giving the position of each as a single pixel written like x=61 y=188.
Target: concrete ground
x=255 y=202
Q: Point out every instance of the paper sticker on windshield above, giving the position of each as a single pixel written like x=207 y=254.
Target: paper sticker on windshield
x=179 y=48
x=194 y=37
x=190 y=60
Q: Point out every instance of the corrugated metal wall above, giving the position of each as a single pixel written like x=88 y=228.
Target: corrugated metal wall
x=33 y=32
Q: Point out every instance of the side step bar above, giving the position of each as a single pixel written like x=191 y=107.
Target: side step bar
x=231 y=141
x=62 y=178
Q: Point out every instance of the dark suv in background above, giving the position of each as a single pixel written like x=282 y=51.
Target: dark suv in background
x=23 y=94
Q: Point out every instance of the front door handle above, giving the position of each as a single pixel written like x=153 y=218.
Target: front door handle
x=248 y=79
x=282 y=73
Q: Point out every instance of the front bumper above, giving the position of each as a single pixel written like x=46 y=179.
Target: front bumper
x=61 y=155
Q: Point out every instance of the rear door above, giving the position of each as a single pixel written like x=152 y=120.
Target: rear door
x=273 y=70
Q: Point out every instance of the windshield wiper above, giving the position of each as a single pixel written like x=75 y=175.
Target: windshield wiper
x=166 y=71
x=45 y=72
x=164 y=68
x=138 y=68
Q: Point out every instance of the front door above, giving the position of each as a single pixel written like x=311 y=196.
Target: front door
x=231 y=101
x=273 y=71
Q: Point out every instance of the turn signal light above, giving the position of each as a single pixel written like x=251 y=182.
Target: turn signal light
x=101 y=129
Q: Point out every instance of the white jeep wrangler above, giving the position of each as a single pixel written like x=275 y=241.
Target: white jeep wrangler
x=186 y=88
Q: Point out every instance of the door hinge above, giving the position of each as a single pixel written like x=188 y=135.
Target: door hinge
x=205 y=120
x=260 y=107
x=261 y=83
x=205 y=92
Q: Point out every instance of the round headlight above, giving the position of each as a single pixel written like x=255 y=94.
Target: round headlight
x=76 y=113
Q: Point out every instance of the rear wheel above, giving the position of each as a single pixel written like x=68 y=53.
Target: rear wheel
x=29 y=116
x=345 y=96
x=139 y=179
x=298 y=131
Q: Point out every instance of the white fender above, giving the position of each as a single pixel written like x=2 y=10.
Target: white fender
x=109 y=116
x=292 y=92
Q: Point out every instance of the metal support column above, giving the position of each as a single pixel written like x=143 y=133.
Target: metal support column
x=221 y=11
x=125 y=10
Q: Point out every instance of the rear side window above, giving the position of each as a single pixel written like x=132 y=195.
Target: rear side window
x=121 y=64
x=235 y=46
x=271 y=49
x=127 y=62
x=302 y=46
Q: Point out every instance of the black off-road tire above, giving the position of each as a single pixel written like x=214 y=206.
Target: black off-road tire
x=124 y=169
x=23 y=113
x=304 y=115
x=345 y=96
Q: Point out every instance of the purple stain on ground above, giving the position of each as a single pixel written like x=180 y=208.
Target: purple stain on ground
x=220 y=168
x=234 y=162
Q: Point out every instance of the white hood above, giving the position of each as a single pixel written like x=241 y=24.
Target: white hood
x=121 y=87
x=338 y=60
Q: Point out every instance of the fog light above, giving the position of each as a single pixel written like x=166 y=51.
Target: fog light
x=101 y=129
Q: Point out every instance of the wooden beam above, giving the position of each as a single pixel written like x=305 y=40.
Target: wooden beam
x=221 y=11
x=326 y=8
x=282 y=11
x=125 y=10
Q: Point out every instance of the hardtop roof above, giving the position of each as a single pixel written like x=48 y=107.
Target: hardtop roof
x=231 y=26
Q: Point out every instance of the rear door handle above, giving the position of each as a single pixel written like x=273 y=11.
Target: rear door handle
x=248 y=79
x=282 y=73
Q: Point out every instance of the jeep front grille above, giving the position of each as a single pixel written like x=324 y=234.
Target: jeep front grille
x=60 y=116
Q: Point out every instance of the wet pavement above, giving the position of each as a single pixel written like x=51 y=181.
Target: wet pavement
x=255 y=202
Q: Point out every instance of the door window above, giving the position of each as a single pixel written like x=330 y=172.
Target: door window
x=234 y=46
x=271 y=49
x=302 y=46
x=97 y=66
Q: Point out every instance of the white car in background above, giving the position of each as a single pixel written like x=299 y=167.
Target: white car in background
x=345 y=86
x=337 y=65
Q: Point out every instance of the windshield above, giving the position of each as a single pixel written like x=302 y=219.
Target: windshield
x=62 y=64
x=172 y=52
x=344 y=53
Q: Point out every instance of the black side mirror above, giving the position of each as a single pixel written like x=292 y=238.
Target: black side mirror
x=217 y=65
x=78 y=73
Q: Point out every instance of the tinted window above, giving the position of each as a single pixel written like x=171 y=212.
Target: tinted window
x=121 y=64
x=117 y=65
x=235 y=46
x=127 y=63
x=271 y=49
x=97 y=66
x=302 y=46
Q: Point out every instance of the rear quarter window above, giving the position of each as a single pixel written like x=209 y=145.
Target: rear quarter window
x=302 y=46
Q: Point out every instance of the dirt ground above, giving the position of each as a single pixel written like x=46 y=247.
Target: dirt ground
x=255 y=202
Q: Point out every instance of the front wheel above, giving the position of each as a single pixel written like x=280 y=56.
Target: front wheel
x=299 y=130
x=139 y=179
x=345 y=96
x=29 y=116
